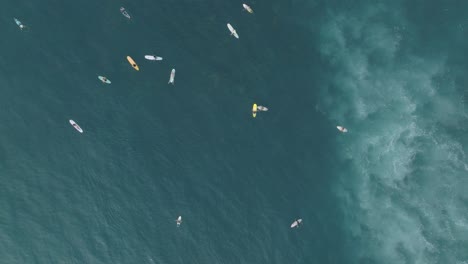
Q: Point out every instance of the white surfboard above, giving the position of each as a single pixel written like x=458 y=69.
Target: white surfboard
x=104 y=79
x=171 y=78
x=179 y=221
x=19 y=23
x=152 y=57
x=76 y=126
x=233 y=31
x=296 y=223
x=262 y=108
x=342 y=129
x=124 y=13
x=246 y=7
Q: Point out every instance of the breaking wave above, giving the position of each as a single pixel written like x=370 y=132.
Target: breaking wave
x=403 y=166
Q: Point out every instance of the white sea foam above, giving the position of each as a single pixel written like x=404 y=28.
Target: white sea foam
x=404 y=196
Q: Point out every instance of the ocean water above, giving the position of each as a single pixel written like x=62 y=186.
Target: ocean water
x=391 y=190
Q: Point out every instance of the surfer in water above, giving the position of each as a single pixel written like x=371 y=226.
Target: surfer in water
x=124 y=12
x=19 y=23
x=262 y=108
x=179 y=221
x=296 y=223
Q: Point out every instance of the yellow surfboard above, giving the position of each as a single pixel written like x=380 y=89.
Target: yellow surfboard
x=254 y=110
x=132 y=62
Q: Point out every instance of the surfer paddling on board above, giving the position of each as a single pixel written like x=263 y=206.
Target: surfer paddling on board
x=262 y=108
x=171 y=78
x=254 y=110
x=124 y=13
x=19 y=23
x=296 y=223
x=104 y=79
x=246 y=7
x=342 y=129
x=76 y=126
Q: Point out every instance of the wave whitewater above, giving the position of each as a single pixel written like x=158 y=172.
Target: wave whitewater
x=403 y=164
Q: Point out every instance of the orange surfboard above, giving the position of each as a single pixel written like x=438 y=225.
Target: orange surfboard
x=132 y=62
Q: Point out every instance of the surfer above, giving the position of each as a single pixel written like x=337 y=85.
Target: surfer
x=76 y=126
x=171 y=78
x=179 y=221
x=20 y=25
x=246 y=7
x=124 y=12
x=342 y=129
x=296 y=223
x=262 y=108
x=133 y=63
x=153 y=57
x=104 y=79
x=233 y=31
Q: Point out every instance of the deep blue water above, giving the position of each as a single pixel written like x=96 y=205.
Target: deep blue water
x=391 y=190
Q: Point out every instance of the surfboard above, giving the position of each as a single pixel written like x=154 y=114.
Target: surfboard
x=133 y=63
x=76 y=126
x=171 y=78
x=233 y=31
x=254 y=110
x=248 y=8
x=20 y=25
x=296 y=223
x=152 y=57
x=125 y=13
x=342 y=129
x=104 y=79
x=262 y=108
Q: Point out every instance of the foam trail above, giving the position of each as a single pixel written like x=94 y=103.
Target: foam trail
x=404 y=191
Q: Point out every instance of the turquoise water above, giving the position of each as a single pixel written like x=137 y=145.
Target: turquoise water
x=392 y=190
